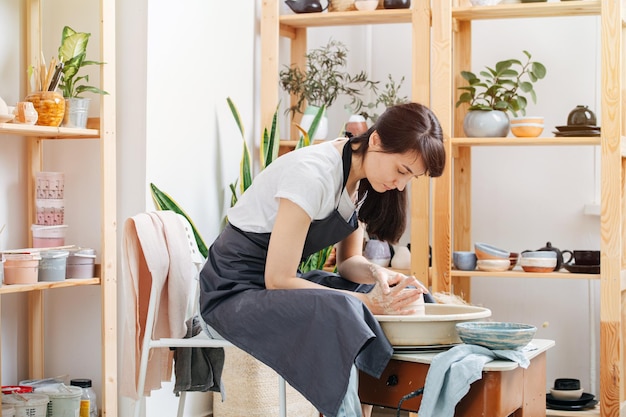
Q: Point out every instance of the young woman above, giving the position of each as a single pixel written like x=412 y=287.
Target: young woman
x=316 y=329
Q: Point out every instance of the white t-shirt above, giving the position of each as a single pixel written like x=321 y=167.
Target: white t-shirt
x=310 y=177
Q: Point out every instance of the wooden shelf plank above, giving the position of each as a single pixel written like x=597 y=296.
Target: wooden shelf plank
x=541 y=141
x=528 y=10
x=17 y=288
x=48 y=132
x=519 y=273
x=351 y=18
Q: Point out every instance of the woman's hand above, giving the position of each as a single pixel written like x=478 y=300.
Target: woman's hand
x=401 y=292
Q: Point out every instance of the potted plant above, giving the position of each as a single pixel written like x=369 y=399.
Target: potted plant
x=322 y=81
x=387 y=97
x=72 y=55
x=501 y=90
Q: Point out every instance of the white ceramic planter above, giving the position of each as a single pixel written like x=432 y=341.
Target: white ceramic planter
x=307 y=119
x=486 y=124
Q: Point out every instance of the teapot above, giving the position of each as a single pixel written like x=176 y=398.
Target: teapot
x=559 y=254
x=581 y=115
x=305 y=6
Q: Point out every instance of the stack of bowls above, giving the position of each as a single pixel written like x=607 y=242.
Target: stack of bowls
x=538 y=261
x=491 y=258
x=49 y=228
x=527 y=127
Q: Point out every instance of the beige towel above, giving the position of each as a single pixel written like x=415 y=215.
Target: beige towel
x=155 y=247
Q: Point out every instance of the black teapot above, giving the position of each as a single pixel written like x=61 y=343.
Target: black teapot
x=559 y=254
x=581 y=115
x=305 y=6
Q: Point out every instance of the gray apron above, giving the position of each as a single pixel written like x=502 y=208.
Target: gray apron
x=311 y=337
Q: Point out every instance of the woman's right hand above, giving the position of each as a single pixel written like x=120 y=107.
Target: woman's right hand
x=395 y=302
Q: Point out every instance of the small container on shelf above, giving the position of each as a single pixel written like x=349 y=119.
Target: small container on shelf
x=50 y=211
x=81 y=263
x=52 y=266
x=48 y=236
x=50 y=107
x=21 y=268
x=49 y=185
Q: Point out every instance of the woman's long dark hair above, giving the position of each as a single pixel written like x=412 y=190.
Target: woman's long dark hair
x=403 y=128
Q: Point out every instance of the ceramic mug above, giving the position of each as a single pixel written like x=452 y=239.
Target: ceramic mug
x=582 y=257
x=464 y=260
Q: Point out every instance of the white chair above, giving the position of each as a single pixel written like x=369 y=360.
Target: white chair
x=199 y=341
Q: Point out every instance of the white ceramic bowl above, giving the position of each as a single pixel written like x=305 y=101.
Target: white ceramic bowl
x=566 y=394
x=366 y=4
x=546 y=264
x=435 y=327
x=496 y=335
x=493 y=265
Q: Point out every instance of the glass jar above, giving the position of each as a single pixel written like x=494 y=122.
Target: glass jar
x=50 y=107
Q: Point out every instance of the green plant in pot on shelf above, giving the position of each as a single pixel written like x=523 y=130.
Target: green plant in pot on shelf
x=72 y=54
x=323 y=80
x=497 y=91
x=385 y=97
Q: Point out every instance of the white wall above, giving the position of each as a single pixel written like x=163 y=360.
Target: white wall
x=177 y=63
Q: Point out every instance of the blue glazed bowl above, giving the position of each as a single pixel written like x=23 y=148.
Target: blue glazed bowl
x=487 y=251
x=496 y=335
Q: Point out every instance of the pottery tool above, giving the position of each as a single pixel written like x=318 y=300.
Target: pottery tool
x=56 y=77
x=49 y=74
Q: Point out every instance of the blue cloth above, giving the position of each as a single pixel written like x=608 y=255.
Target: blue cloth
x=451 y=373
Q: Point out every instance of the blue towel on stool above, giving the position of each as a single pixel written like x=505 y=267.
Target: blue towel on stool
x=451 y=373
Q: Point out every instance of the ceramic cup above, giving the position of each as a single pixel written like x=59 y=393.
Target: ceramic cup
x=582 y=257
x=464 y=260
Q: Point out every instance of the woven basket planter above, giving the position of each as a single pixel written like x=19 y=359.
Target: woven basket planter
x=252 y=390
x=340 y=5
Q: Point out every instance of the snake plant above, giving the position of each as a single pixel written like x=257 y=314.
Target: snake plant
x=268 y=153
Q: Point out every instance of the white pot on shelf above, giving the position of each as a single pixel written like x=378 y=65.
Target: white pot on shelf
x=486 y=124
x=307 y=119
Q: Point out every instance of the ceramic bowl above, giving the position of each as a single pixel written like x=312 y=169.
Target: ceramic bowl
x=487 y=251
x=539 y=254
x=464 y=260
x=527 y=130
x=566 y=384
x=530 y=264
x=435 y=327
x=527 y=119
x=571 y=394
x=366 y=4
x=496 y=335
x=493 y=265
x=484 y=2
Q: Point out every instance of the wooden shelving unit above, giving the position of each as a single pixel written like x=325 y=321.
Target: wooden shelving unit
x=294 y=27
x=452 y=26
x=103 y=130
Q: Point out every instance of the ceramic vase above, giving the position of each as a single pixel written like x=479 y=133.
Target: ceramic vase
x=307 y=119
x=486 y=124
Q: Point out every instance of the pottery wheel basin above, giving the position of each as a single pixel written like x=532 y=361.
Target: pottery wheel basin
x=436 y=327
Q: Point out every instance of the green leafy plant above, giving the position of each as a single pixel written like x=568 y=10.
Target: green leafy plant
x=502 y=87
x=72 y=53
x=324 y=79
x=387 y=97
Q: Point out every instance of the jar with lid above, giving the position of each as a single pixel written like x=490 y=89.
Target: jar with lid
x=88 y=401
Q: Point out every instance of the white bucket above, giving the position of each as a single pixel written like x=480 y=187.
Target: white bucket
x=27 y=405
x=8 y=410
x=64 y=401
